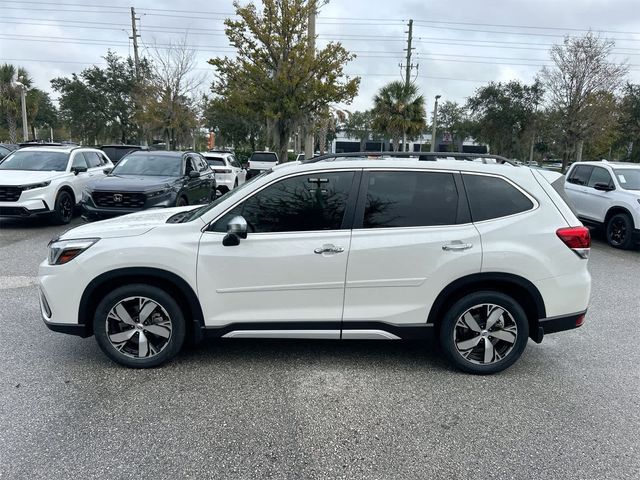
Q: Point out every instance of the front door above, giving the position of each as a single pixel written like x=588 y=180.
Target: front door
x=289 y=273
x=412 y=237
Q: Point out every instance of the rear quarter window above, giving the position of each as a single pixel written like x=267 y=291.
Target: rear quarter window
x=493 y=197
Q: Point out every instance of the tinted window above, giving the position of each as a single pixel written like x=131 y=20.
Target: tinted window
x=92 y=158
x=202 y=165
x=215 y=162
x=79 y=160
x=116 y=153
x=234 y=162
x=149 y=164
x=4 y=152
x=599 y=175
x=36 y=161
x=629 y=178
x=493 y=197
x=580 y=174
x=298 y=204
x=410 y=199
x=264 y=157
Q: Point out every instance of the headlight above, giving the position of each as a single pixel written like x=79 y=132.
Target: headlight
x=157 y=193
x=63 y=251
x=36 y=185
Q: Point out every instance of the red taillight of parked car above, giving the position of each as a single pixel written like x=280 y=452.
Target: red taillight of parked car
x=580 y=320
x=577 y=239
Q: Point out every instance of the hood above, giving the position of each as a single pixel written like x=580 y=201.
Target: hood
x=130 y=183
x=126 y=226
x=26 y=177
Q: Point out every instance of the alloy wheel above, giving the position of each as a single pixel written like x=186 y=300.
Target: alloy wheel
x=617 y=231
x=138 y=327
x=66 y=208
x=485 y=334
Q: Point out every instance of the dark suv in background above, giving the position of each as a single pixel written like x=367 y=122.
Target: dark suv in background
x=116 y=152
x=150 y=179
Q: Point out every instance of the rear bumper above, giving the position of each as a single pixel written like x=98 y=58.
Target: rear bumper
x=558 y=324
x=77 y=330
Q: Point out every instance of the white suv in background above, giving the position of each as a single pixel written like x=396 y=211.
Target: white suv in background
x=48 y=180
x=229 y=172
x=480 y=257
x=607 y=194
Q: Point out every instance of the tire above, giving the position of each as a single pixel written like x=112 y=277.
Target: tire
x=181 y=202
x=486 y=353
x=63 y=208
x=620 y=231
x=122 y=338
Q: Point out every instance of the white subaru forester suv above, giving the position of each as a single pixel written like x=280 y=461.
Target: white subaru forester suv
x=607 y=195
x=480 y=257
x=37 y=181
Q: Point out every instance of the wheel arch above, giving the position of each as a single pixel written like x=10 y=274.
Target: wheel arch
x=614 y=211
x=65 y=188
x=517 y=287
x=170 y=282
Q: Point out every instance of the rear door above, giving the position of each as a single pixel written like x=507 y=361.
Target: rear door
x=576 y=188
x=412 y=236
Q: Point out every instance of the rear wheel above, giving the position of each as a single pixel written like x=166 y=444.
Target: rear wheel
x=182 y=202
x=139 y=326
x=63 y=208
x=620 y=231
x=484 y=332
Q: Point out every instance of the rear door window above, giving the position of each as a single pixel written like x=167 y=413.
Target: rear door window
x=410 y=199
x=493 y=197
x=580 y=174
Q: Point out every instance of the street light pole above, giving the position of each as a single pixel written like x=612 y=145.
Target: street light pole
x=23 y=101
x=435 y=120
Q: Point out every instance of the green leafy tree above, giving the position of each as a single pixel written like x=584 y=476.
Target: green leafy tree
x=399 y=112
x=504 y=114
x=452 y=119
x=359 y=125
x=630 y=121
x=275 y=73
x=233 y=123
x=40 y=111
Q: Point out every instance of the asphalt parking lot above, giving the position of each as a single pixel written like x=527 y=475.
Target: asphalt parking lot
x=236 y=409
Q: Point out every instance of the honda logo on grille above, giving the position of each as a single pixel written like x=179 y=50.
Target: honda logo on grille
x=117 y=197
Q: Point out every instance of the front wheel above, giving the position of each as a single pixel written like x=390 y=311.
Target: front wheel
x=181 y=202
x=620 y=231
x=63 y=208
x=139 y=326
x=484 y=332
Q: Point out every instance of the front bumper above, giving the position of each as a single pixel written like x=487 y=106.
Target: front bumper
x=91 y=211
x=24 y=208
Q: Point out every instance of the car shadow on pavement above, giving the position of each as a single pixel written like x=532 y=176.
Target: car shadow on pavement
x=354 y=353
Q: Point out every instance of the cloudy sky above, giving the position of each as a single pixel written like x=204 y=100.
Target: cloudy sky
x=459 y=44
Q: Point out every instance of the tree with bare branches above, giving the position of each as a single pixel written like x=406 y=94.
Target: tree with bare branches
x=582 y=71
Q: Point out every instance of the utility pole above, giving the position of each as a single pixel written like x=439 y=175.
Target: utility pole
x=311 y=33
x=134 y=36
x=23 y=98
x=435 y=122
x=407 y=74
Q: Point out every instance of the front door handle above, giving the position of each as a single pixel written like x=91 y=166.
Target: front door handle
x=328 y=248
x=456 y=246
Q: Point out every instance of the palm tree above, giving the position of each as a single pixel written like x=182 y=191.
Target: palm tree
x=10 y=95
x=399 y=112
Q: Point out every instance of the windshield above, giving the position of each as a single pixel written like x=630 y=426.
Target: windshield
x=192 y=215
x=215 y=161
x=149 y=164
x=629 y=178
x=263 y=157
x=40 y=161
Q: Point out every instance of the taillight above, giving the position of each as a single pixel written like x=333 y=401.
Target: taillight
x=577 y=239
x=580 y=320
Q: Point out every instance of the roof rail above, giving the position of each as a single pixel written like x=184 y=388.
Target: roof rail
x=424 y=156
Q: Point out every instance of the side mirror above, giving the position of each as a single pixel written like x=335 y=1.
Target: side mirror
x=236 y=229
x=603 y=187
x=107 y=171
x=77 y=170
x=194 y=174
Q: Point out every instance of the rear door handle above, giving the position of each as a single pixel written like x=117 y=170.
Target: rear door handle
x=328 y=248
x=456 y=246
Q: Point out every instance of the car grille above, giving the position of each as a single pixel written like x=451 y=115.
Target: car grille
x=119 y=199
x=10 y=194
